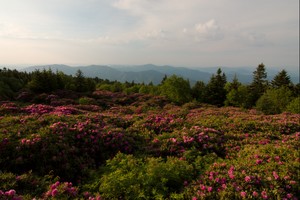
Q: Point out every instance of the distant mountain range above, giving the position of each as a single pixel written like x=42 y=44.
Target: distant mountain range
x=153 y=73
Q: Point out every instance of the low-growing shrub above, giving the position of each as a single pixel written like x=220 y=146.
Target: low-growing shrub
x=87 y=101
x=127 y=177
x=294 y=106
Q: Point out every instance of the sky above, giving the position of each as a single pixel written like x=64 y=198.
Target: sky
x=190 y=33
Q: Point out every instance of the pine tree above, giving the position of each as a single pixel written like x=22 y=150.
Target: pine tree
x=281 y=79
x=234 y=95
x=215 y=90
x=198 y=91
x=79 y=81
x=258 y=85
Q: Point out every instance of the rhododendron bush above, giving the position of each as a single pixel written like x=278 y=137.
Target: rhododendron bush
x=118 y=146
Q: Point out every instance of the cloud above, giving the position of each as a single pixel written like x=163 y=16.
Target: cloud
x=208 y=30
x=153 y=28
x=255 y=38
x=17 y=31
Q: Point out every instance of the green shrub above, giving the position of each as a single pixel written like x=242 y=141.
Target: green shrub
x=274 y=101
x=128 y=177
x=177 y=89
x=86 y=101
x=294 y=106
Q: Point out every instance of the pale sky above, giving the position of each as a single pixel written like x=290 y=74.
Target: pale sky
x=164 y=32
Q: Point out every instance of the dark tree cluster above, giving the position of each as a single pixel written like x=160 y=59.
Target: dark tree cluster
x=272 y=97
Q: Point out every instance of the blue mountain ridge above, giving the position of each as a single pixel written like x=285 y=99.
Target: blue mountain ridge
x=154 y=73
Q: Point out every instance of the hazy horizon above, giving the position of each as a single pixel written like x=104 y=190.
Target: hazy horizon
x=119 y=66
x=194 y=34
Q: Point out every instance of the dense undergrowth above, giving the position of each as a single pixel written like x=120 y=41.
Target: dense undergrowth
x=117 y=146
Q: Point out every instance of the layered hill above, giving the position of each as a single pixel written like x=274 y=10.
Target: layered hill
x=153 y=73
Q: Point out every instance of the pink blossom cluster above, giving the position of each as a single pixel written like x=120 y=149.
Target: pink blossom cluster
x=31 y=141
x=65 y=188
x=9 y=107
x=162 y=123
x=10 y=194
x=88 y=196
x=46 y=109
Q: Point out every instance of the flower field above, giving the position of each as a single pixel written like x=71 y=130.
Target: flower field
x=138 y=146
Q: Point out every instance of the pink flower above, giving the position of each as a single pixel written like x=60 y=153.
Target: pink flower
x=10 y=193
x=264 y=195
x=209 y=189
x=194 y=198
x=258 y=161
x=247 y=178
x=53 y=186
x=98 y=198
x=255 y=194
x=231 y=176
x=54 y=192
x=202 y=187
x=173 y=140
x=243 y=194
x=289 y=196
x=57 y=183
x=155 y=140
x=275 y=175
x=230 y=172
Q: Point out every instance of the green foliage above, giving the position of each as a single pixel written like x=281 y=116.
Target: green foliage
x=176 y=89
x=5 y=91
x=45 y=81
x=10 y=83
x=128 y=177
x=282 y=79
x=215 y=90
x=274 y=101
x=87 y=101
x=236 y=93
x=216 y=152
x=133 y=89
x=198 y=91
x=26 y=183
x=258 y=85
x=145 y=89
x=294 y=106
x=106 y=86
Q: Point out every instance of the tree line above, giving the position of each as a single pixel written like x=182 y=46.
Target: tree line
x=271 y=97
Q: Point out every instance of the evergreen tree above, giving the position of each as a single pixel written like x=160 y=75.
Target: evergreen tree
x=79 y=81
x=234 y=96
x=215 y=91
x=164 y=79
x=11 y=82
x=258 y=85
x=281 y=79
x=37 y=84
x=296 y=90
x=198 y=91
